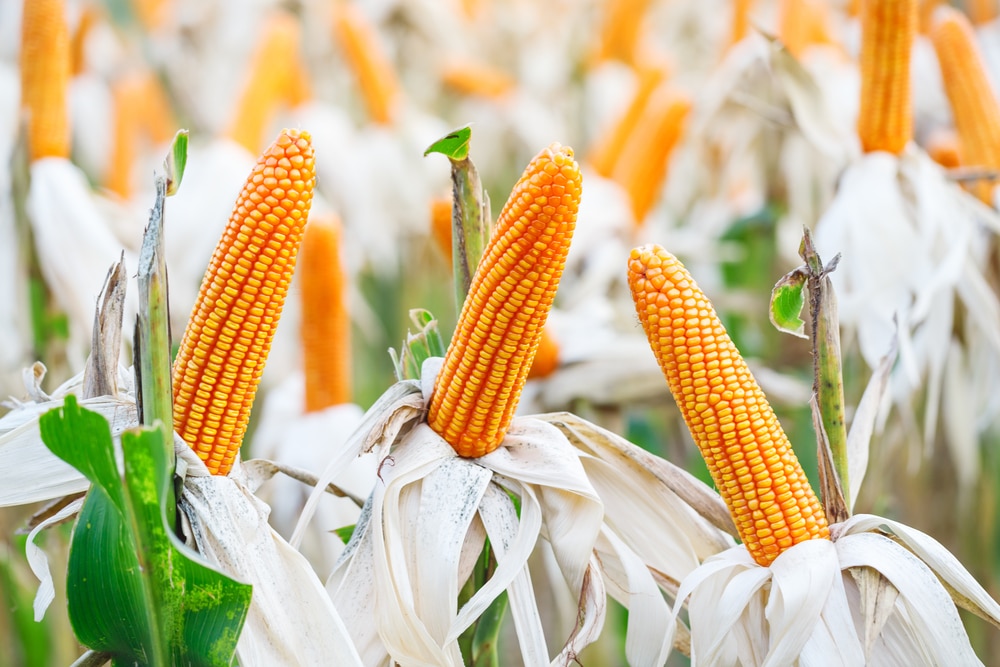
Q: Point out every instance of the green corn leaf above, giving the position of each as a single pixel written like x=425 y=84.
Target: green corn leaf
x=787 y=300
x=454 y=145
x=135 y=590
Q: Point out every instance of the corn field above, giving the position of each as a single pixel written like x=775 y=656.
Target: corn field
x=499 y=332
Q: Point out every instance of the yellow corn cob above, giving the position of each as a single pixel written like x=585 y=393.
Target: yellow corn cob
x=621 y=30
x=441 y=224
x=365 y=56
x=642 y=167
x=78 y=43
x=476 y=78
x=276 y=77
x=885 y=119
x=803 y=23
x=500 y=326
x=128 y=95
x=152 y=13
x=228 y=337
x=973 y=100
x=741 y=20
x=944 y=147
x=45 y=69
x=326 y=322
x=926 y=12
x=546 y=357
x=747 y=452
x=982 y=11
x=141 y=110
x=606 y=151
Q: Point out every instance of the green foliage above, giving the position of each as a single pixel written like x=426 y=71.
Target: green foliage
x=134 y=589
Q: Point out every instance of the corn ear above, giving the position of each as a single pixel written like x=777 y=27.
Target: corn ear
x=973 y=99
x=500 y=326
x=885 y=119
x=45 y=70
x=744 y=446
x=229 y=335
x=326 y=320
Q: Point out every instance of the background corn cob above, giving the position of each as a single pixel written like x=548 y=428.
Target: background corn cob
x=276 y=76
x=500 y=326
x=45 y=69
x=227 y=340
x=326 y=321
x=365 y=56
x=621 y=31
x=476 y=78
x=606 y=151
x=642 y=167
x=973 y=100
x=141 y=112
x=803 y=23
x=747 y=452
x=885 y=119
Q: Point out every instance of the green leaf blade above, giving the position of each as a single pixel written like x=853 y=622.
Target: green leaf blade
x=787 y=300
x=135 y=591
x=454 y=145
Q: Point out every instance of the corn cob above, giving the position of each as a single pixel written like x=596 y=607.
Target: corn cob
x=642 y=167
x=476 y=79
x=141 y=110
x=326 y=322
x=741 y=20
x=607 y=150
x=228 y=337
x=78 y=42
x=926 y=12
x=441 y=225
x=885 y=119
x=803 y=23
x=944 y=147
x=728 y=415
x=982 y=11
x=973 y=99
x=500 y=326
x=45 y=70
x=365 y=56
x=546 y=357
x=276 y=76
x=621 y=30
x=152 y=13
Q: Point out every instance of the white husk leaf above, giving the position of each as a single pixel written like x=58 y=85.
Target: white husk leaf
x=39 y=562
x=291 y=619
x=29 y=472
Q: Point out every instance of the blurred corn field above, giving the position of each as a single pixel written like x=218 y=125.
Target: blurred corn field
x=719 y=129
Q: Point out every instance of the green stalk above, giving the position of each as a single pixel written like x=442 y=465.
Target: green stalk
x=470 y=212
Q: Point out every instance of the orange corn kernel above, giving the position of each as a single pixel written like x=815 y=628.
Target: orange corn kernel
x=973 y=99
x=228 y=337
x=45 y=71
x=366 y=57
x=276 y=77
x=747 y=452
x=501 y=323
x=326 y=320
x=885 y=119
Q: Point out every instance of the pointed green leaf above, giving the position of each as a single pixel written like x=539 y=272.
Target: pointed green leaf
x=134 y=589
x=787 y=301
x=454 y=145
x=176 y=161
